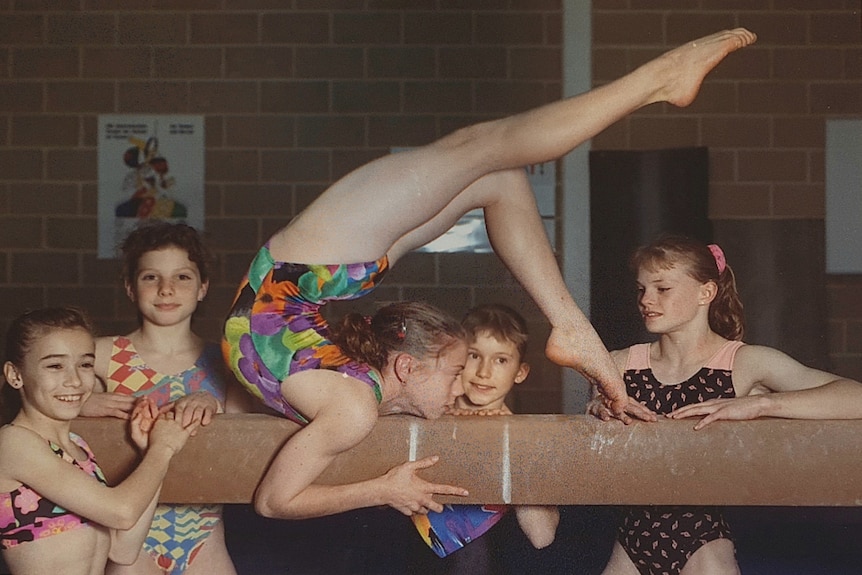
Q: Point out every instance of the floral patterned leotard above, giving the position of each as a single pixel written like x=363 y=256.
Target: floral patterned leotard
x=27 y=516
x=275 y=327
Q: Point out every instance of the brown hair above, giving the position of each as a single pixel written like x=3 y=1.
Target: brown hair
x=27 y=328
x=501 y=321
x=725 y=312
x=157 y=235
x=417 y=328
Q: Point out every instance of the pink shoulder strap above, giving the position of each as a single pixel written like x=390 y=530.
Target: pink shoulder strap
x=723 y=359
x=638 y=357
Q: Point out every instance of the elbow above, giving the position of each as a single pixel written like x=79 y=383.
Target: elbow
x=263 y=508
x=123 y=518
x=270 y=506
x=543 y=539
x=124 y=557
x=543 y=531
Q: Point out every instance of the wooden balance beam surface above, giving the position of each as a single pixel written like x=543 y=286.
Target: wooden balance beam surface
x=539 y=459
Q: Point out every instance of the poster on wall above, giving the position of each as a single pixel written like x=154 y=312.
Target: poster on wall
x=150 y=167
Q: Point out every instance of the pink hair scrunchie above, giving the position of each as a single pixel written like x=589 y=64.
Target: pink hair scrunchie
x=718 y=254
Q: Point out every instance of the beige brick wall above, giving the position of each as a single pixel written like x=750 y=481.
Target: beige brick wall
x=762 y=113
x=295 y=97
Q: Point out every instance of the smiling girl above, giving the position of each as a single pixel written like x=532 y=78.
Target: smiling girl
x=699 y=366
x=166 y=276
x=57 y=514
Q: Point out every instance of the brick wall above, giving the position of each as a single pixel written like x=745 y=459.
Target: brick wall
x=295 y=97
x=762 y=114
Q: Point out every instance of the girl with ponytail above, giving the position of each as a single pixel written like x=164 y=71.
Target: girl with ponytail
x=699 y=367
x=339 y=247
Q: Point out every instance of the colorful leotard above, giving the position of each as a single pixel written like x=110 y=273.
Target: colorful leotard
x=457 y=525
x=178 y=532
x=27 y=516
x=659 y=540
x=275 y=327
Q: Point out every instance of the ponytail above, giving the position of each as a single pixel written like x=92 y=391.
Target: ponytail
x=417 y=328
x=703 y=263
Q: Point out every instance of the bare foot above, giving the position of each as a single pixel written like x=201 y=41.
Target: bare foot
x=590 y=359
x=685 y=67
x=575 y=348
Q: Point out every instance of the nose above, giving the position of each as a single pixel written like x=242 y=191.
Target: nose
x=644 y=298
x=166 y=286
x=457 y=388
x=484 y=369
x=74 y=379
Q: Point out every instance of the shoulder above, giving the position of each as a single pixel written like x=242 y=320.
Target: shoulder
x=212 y=367
x=104 y=351
x=17 y=434
x=753 y=356
x=620 y=357
x=106 y=341
x=211 y=357
x=759 y=365
x=345 y=407
x=633 y=357
x=16 y=443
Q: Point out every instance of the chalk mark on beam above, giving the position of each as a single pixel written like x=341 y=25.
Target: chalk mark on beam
x=507 y=467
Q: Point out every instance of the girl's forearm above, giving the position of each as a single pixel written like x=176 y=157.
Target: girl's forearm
x=838 y=399
x=321 y=500
x=136 y=492
x=126 y=544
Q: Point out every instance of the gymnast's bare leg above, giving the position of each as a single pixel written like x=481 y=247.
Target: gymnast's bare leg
x=401 y=201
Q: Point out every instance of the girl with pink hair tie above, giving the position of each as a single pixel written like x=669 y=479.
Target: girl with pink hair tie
x=699 y=367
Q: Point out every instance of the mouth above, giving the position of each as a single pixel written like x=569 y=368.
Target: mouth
x=71 y=398
x=482 y=388
x=650 y=314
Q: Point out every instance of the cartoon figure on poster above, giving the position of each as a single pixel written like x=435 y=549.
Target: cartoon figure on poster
x=147 y=184
x=150 y=168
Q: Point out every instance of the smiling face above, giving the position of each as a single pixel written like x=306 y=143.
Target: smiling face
x=167 y=286
x=493 y=367
x=56 y=375
x=670 y=299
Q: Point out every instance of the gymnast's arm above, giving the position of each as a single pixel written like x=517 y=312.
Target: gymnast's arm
x=25 y=458
x=126 y=543
x=770 y=383
x=343 y=412
x=539 y=523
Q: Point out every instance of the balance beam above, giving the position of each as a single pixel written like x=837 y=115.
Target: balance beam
x=532 y=459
